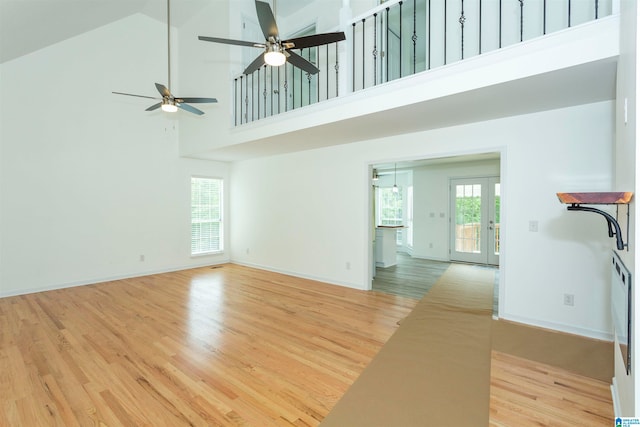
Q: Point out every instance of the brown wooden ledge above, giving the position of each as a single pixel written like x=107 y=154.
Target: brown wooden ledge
x=597 y=198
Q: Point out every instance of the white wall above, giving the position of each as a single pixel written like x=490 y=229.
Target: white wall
x=89 y=181
x=306 y=213
x=431 y=196
x=626 y=179
x=205 y=72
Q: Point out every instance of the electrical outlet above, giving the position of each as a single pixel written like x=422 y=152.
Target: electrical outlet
x=141 y=258
x=568 y=299
x=533 y=226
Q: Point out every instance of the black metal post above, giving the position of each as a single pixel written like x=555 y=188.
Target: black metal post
x=374 y=52
x=521 y=18
x=480 y=28
x=461 y=20
x=414 y=36
x=363 y=53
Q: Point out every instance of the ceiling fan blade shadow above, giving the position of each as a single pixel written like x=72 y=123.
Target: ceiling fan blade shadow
x=230 y=41
x=197 y=100
x=257 y=63
x=163 y=90
x=302 y=63
x=266 y=20
x=190 y=109
x=316 y=40
x=154 y=107
x=131 y=94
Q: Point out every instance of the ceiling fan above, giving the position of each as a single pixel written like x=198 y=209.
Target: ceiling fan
x=276 y=51
x=169 y=102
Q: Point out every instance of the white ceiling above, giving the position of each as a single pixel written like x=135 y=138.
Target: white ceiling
x=29 y=25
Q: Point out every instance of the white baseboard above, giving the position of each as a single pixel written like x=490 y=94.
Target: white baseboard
x=95 y=280
x=589 y=333
x=302 y=276
x=616 y=398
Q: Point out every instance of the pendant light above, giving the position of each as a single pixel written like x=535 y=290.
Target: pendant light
x=395 y=176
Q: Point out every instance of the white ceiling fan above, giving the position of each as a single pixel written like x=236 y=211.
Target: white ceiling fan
x=169 y=102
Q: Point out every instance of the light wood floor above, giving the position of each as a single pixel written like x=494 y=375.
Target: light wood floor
x=228 y=346
x=410 y=277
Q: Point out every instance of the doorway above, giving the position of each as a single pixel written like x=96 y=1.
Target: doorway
x=475 y=220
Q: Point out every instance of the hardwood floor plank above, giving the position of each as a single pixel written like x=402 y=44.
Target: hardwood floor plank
x=228 y=346
x=526 y=393
x=410 y=277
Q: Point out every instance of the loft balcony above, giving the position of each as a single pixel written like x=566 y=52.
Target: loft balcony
x=415 y=65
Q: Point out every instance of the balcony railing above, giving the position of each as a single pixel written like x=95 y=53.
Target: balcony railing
x=404 y=37
x=274 y=90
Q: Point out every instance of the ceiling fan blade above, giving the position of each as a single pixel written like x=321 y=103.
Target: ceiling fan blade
x=163 y=90
x=315 y=40
x=257 y=63
x=302 y=63
x=154 y=107
x=197 y=100
x=230 y=41
x=266 y=19
x=131 y=94
x=190 y=109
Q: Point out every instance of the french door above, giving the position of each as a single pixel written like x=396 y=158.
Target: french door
x=475 y=220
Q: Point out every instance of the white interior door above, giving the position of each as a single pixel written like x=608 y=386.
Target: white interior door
x=475 y=220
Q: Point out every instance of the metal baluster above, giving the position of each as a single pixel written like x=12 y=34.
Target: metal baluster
x=301 y=85
x=309 y=80
x=400 y=53
x=327 y=75
x=445 y=31
x=252 y=97
x=544 y=17
x=318 y=76
x=337 y=67
x=596 y=6
x=521 y=18
x=235 y=101
x=387 y=47
x=461 y=20
x=382 y=52
x=569 y=14
x=500 y=24
x=286 y=89
x=279 y=102
x=363 y=53
x=246 y=99
x=264 y=94
x=271 y=91
x=480 y=28
x=353 y=51
x=429 y=37
x=374 y=52
x=414 y=37
x=258 y=92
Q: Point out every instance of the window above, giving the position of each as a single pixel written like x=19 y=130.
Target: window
x=390 y=209
x=390 y=203
x=206 y=215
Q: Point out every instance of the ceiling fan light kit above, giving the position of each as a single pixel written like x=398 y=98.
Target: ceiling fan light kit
x=274 y=56
x=170 y=103
x=277 y=51
x=169 y=107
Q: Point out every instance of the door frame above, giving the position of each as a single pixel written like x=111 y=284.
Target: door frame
x=486 y=255
x=368 y=222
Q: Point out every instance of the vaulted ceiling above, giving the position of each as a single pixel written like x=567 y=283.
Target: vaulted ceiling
x=29 y=25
